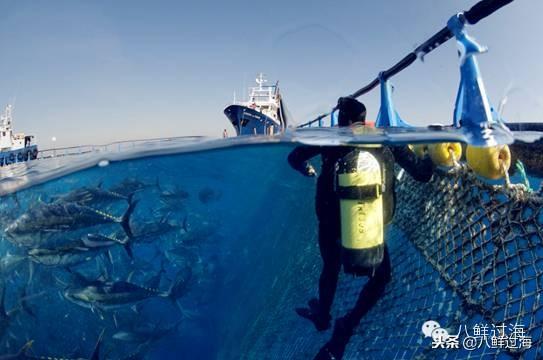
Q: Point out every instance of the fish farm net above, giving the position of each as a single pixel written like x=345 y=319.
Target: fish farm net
x=464 y=253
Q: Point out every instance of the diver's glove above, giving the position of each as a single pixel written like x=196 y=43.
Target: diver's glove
x=309 y=170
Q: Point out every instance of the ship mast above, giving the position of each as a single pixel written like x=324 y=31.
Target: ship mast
x=260 y=80
x=6 y=118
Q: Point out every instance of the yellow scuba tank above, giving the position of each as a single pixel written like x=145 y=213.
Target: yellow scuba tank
x=360 y=191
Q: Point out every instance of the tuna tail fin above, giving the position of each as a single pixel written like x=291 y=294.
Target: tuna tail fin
x=125 y=221
x=154 y=283
x=3 y=312
x=30 y=272
x=128 y=249
x=16 y=200
x=157 y=184
x=185 y=224
x=126 y=243
x=180 y=285
x=24 y=350
x=61 y=282
x=24 y=301
x=96 y=352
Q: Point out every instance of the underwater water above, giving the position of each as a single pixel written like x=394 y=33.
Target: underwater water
x=202 y=255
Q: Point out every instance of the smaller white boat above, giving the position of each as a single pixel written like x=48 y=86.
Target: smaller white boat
x=14 y=147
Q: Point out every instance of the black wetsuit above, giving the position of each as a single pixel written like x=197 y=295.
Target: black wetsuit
x=327 y=207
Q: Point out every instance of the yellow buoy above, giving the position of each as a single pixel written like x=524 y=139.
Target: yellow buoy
x=445 y=154
x=421 y=150
x=490 y=162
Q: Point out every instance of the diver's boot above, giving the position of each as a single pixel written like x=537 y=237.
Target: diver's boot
x=315 y=315
x=335 y=347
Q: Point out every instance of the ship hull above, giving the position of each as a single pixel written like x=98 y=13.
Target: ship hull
x=248 y=121
x=19 y=155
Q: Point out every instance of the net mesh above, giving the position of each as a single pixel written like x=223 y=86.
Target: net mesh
x=464 y=253
x=485 y=241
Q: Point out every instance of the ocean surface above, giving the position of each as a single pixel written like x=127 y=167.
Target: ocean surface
x=193 y=242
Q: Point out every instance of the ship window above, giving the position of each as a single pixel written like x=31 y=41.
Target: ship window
x=3 y=133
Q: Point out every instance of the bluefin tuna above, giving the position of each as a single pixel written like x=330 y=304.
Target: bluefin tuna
x=22 y=354
x=73 y=254
x=144 y=335
x=148 y=232
x=39 y=223
x=130 y=186
x=108 y=295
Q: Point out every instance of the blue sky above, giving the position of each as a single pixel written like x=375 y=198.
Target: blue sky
x=99 y=71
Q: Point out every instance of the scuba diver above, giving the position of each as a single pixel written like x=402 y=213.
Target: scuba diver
x=354 y=209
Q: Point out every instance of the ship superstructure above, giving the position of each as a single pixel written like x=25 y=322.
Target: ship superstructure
x=262 y=114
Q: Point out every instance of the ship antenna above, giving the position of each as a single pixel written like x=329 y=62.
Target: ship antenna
x=5 y=118
x=260 y=80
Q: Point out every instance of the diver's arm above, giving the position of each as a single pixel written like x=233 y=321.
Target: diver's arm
x=419 y=169
x=299 y=157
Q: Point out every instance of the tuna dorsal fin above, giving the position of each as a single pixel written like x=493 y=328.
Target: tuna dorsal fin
x=23 y=302
x=180 y=284
x=24 y=349
x=154 y=283
x=80 y=279
x=110 y=257
x=96 y=352
x=16 y=200
x=131 y=276
x=102 y=278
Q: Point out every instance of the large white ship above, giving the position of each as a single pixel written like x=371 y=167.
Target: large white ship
x=14 y=147
x=262 y=114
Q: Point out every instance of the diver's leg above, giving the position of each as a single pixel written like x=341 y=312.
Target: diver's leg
x=345 y=326
x=327 y=208
x=371 y=292
x=331 y=258
x=319 y=310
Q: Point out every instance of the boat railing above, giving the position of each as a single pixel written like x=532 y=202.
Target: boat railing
x=324 y=120
x=117 y=146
